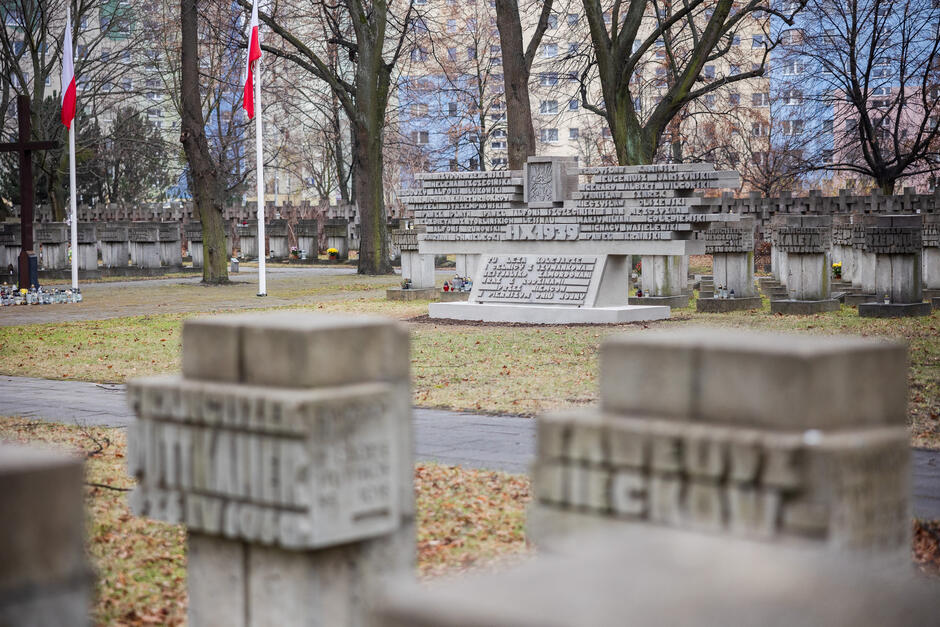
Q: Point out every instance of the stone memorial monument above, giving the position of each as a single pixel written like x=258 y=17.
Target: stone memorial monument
x=44 y=574
x=416 y=268
x=193 y=232
x=308 y=237
x=171 y=248
x=663 y=280
x=337 y=235
x=731 y=246
x=144 y=238
x=805 y=240
x=54 y=238
x=276 y=230
x=863 y=266
x=895 y=243
x=87 y=247
x=552 y=251
x=285 y=448
x=696 y=431
x=115 y=248
x=931 y=238
x=843 y=253
x=9 y=245
x=248 y=238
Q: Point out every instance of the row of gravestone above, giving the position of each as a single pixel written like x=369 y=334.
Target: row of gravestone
x=154 y=245
x=285 y=448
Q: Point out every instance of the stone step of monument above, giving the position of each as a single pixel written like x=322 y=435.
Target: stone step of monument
x=894 y=310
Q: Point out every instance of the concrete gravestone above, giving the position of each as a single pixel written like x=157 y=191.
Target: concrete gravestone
x=931 y=237
x=337 y=236
x=806 y=240
x=248 y=236
x=308 y=237
x=276 y=231
x=44 y=575
x=115 y=248
x=895 y=243
x=87 y=246
x=144 y=238
x=171 y=250
x=695 y=430
x=54 y=237
x=731 y=246
x=193 y=230
x=552 y=251
x=9 y=245
x=285 y=449
x=416 y=268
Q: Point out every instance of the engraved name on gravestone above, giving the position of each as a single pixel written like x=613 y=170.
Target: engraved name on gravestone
x=539 y=279
x=405 y=239
x=803 y=239
x=729 y=240
x=893 y=240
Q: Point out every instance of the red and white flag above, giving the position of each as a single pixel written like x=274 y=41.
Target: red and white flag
x=254 y=53
x=68 y=73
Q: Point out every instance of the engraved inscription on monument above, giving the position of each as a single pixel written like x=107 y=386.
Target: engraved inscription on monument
x=537 y=279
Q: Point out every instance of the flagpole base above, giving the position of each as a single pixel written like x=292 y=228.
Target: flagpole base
x=260 y=295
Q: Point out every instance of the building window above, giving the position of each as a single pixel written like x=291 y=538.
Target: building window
x=419 y=109
x=548 y=107
x=451 y=108
x=734 y=99
x=573 y=48
x=827 y=126
x=851 y=125
x=792 y=97
x=471 y=53
x=710 y=100
x=552 y=21
x=548 y=135
x=734 y=69
x=736 y=40
x=573 y=104
x=418 y=54
x=452 y=54
x=709 y=72
x=826 y=156
x=547 y=79
x=792 y=68
x=573 y=133
x=791 y=37
x=757 y=41
x=572 y=19
x=759 y=129
x=419 y=137
x=760 y=99
x=549 y=51
x=606 y=132
x=451 y=26
x=792 y=127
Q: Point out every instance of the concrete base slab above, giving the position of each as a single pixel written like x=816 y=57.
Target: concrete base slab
x=931 y=293
x=682 y=300
x=804 y=307
x=454 y=297
x=424 y=293
x=546 y=314
x=723 y=305
x=935 y=301
x=853 y=300
x=706 y=294
x=893 y=310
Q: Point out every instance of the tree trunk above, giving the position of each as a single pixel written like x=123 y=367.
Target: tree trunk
x=367 y=178
x=204 y=180
x=520 y=134
x=887 y=186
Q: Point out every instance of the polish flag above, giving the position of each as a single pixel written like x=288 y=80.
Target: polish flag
x=68 y=74
x=254 y=53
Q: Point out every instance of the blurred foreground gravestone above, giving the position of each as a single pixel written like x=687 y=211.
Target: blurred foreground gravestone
x=781 y=463
x=285 y=449
x=751 y=434
x=44 y=577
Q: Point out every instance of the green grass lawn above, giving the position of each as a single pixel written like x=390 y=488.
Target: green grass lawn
x=482 y=368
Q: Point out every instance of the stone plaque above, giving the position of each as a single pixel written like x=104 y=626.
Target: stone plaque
x=146 y=234
x=336 y=227
x=52 y=232
x=193 y=231
x=803 y=239
x=536 y=279
x=301 y=468
x=405 y=239
x=729 y=240
x=169 y=231
x=87 y=233
x=306 y=228
x=931 y=235
x=112 y=233
x=276 y=228
x=893 y=240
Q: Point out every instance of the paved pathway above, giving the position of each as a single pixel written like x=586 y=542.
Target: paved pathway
x=493 y=442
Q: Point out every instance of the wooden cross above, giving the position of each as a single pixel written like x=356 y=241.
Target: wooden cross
x=26 y=147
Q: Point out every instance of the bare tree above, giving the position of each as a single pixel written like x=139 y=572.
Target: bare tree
x=676 y=41
x=517 y=68
x=373 y=35
x=874 y=66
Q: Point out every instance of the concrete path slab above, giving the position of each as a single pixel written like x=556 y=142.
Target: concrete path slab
x=504 y=443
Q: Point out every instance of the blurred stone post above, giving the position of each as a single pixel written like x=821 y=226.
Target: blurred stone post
x=285 y=449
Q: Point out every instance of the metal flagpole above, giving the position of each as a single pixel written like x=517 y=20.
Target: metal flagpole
x=74 y=206
x=262 y=285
